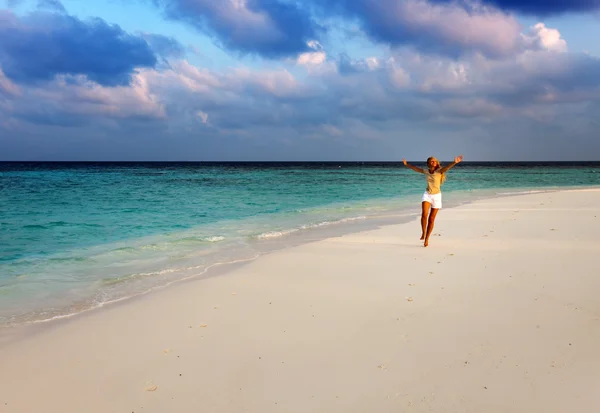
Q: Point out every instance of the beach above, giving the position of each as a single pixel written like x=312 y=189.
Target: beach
x=499 y=314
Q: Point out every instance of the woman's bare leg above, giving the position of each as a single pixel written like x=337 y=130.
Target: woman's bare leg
x=430 y=223
x=425 y=206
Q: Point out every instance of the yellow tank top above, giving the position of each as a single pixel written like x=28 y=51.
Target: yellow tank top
x=434 y=182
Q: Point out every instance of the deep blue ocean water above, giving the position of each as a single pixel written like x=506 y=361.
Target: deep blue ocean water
x=76 y=235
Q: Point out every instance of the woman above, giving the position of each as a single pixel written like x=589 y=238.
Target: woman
x=432 y=198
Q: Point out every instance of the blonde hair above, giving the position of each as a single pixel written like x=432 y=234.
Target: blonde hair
x=433 y=158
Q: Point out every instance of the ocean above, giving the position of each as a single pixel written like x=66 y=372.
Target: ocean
x=75 y=236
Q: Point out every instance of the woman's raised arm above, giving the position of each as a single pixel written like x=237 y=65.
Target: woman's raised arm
x=414 y=168
x=457 y=160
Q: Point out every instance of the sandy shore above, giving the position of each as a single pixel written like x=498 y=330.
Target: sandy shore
x=500 y=314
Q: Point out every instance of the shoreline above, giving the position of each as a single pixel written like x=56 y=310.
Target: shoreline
x=273 y=245
x=501 y=302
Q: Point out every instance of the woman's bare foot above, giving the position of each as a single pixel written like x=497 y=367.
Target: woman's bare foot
x=422 y=237
x=426 y=243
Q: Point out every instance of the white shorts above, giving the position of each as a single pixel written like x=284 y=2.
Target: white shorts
x=434 y=199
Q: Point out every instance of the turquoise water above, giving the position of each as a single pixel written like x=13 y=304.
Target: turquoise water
x=75 y=236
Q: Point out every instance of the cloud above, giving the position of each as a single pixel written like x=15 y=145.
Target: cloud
x=165 y=46
x=270 y=28
x=417 y=87
x=203 y=116
x=76 y=101
x=279 y=28
x=347 y=65
x=529 y=78
x=544 y=38
x=13 y=3
x=52 y=5
x=382 y=98
x=173 y=94
x=7 y=87
x=43 y=45
x=314 y=58
x=280 y=83
x=446 y=28
x=546 y=77
x=544 y=8
x=408 y=87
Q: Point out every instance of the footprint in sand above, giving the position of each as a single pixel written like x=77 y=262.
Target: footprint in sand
x=151 y=388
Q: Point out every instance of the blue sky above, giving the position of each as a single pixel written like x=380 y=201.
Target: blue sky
x=299 y=79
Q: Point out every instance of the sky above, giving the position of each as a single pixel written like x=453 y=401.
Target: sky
x=299 y=80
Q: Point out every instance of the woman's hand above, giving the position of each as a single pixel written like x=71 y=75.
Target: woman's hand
x=445 y=169
x=404 y=162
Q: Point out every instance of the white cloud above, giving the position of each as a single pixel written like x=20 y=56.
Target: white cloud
x=545 y=38
x=312 y=58
x=316 y=58
x=203 y=116
x=372 y=63
x=314 y=44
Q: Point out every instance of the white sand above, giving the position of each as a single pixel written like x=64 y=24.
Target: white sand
x=504 y=317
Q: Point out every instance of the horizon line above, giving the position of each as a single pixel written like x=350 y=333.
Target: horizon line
x=283 y=161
